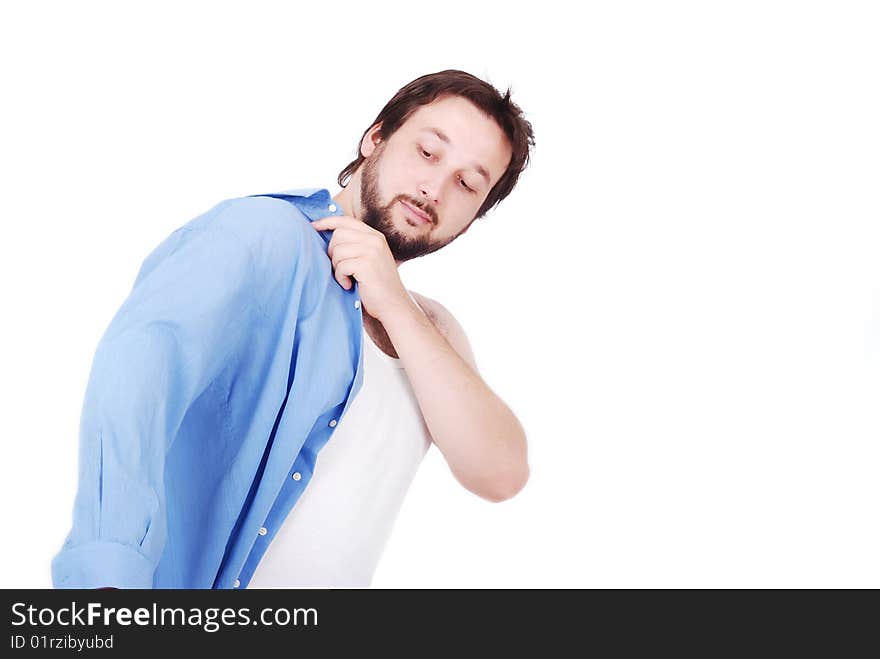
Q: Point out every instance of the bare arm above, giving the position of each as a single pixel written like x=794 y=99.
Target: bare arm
x=479 y=436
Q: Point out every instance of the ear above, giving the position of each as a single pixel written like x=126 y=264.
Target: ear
x=371 y=140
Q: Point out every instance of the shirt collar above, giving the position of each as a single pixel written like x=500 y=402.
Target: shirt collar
x=314 y=203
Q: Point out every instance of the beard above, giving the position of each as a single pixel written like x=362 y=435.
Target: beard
x=403 y=247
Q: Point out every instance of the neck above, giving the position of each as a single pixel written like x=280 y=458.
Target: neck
x=344 y=199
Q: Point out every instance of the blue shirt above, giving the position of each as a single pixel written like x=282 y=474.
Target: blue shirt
x=211 y=392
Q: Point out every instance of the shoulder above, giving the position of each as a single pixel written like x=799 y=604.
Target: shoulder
x=258 y=219
x=278 y=235
x=448 y=326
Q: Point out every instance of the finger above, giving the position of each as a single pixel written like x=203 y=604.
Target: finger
x=346 y=270
x=346 y=251
x=341 y=278
x=325 y=223
x=333 y=221
x=344 y=236
x=351 y=225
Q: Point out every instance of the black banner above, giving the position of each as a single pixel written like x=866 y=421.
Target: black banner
x=561 y=621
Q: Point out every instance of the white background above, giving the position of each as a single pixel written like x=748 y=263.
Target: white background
x=680 y=301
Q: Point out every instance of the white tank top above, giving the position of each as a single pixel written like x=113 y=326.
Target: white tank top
x=337 y=530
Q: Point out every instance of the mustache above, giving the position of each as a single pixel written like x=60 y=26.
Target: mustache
x=427 y=210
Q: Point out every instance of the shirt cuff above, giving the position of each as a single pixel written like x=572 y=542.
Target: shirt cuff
x=99 y=564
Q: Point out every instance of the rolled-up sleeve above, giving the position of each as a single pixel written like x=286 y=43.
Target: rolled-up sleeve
x=189 y=312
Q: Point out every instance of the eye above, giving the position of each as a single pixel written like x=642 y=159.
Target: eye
x=465 y=185
x=424 y=153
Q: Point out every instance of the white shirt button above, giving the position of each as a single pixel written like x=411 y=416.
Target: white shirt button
x=357 y=304
x=237 y=583
x=332 y=208
x=296 y=475
x=332 y=423
x=263 y=530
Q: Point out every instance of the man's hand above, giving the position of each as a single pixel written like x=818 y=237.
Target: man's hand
x=360 y=251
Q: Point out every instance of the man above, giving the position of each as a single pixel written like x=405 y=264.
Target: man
x=264 y=328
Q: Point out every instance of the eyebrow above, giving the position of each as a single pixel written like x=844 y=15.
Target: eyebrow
x=480 y=169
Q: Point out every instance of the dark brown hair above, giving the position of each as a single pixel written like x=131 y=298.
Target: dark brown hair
x=429 y=88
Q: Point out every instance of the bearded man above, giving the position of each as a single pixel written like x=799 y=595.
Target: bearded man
x=259 y=405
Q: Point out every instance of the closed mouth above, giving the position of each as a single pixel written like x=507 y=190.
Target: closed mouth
x=417 y=212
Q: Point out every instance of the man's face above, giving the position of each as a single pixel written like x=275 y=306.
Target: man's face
x=443 y=161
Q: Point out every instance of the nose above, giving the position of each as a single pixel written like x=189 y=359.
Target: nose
x=429 y=193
